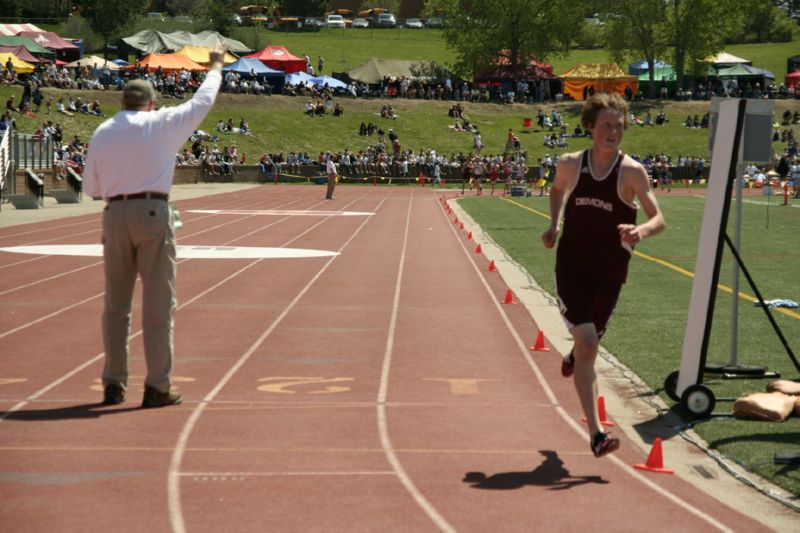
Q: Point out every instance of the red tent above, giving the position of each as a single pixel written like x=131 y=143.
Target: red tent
x=168 y=62
x=22 y=53
x=793 y=79
x=279 y=58
x=47 y=39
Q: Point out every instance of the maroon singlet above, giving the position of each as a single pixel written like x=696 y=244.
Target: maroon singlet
x=590 y=246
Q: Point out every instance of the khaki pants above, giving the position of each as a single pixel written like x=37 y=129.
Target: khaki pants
x=138 y=237
x=331 y=186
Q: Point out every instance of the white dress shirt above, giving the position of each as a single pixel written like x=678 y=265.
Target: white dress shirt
x=134 y=151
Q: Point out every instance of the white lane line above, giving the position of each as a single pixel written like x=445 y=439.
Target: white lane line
x=288 y=473
x=283 y=212
x=182 y=251
x=173 y=477
x=579 y=429
x=383 y=390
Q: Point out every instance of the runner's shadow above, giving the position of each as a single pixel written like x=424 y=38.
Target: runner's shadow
x=88 y=410
x=551 y=473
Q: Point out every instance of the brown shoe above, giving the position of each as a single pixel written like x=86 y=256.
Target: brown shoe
x=113 y=394
x=156 y=398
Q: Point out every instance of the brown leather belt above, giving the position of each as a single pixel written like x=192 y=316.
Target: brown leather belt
x=140 y=196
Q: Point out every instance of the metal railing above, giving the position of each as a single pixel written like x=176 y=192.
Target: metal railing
x=75 y=183
x=34 y=186
x=5 y=161
x=32 y=152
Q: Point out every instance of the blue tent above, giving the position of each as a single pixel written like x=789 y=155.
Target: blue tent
x=333 y=83
x=246 y=66
x=296 y=78
x=120 y=62
x=639 y=67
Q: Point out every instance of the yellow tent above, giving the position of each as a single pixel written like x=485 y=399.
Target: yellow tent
x=20 y=66
x=602 y=77
x=199 y=54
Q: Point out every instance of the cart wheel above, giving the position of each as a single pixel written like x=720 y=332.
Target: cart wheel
x=671 y=384
x=698 y=400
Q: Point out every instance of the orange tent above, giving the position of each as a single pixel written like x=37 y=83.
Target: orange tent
x=603 y=77
x=169 y=62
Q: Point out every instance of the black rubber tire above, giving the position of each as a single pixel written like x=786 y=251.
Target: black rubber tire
x=698 y=400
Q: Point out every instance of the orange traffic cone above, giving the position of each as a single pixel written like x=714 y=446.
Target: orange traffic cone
x=540 y=345
x=601 y=411
x=469 y=236
x=491 y=268
x=509 y=297
x=478 y=249
x=655 y=461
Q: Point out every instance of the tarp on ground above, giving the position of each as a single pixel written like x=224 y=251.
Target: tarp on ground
x=20 y=66
x=374 y=70
x=201 y=54
x=21 y=52
x=279 y=58
x=89 y=61
x=152 y=41
x=724 y=58
x=793 y=79
x=603 y=77
x=169 y=62
x=247 y=67
x=28 y=43
x=638 y=67
x=13 y=29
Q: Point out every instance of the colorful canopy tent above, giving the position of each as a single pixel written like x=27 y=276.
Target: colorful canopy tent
x=664 y=73
x=22 y=53
x=375 y=70
x=663 y=77
x=89 y=61
x=13 y=29
x=20 y=66
x=602 y=77
x=29 y=45
x=248 y=67
x=169 y=62
x=793 y=79
x=503 y=61
x=724 y=58
x=152 y=41
x=506 y=73
x=201 y=54
x=64 y=49
x=792 y=64
x=120 y=62
x=279 y=58
x=641 y=66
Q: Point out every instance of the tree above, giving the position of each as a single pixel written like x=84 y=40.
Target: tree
x=392 y=6
x=483 y=32
x=11 y=9
x=220 y=16
x=305 y=8
x=108 y=17
x=636 y=28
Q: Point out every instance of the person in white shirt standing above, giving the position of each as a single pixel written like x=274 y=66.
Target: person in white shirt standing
x=138 y=232
x=330 y=168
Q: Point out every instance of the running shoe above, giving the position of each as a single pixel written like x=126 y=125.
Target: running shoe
x=113 y=394
x=602 y=444
x=155 y=398
x=568 y=365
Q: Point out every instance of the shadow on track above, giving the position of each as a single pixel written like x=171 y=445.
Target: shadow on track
x=551 y=473
x=72 y=412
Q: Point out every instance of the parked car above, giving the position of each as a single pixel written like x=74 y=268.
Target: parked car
x=360 y=23
x=236 y=19
x=434 y=22
x=386 y=20
x=312 y=24
x=183 y=19
x=413 y=23
x=334 y=21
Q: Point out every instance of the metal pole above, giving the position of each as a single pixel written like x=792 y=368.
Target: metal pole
x=735 y=270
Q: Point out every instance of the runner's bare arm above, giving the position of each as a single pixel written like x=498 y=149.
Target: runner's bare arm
x=637 y=183
x=566 y=173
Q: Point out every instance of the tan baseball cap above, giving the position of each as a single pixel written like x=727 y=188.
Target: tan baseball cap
x=138 y=92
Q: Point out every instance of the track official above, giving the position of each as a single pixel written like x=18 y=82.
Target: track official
x=138 y=233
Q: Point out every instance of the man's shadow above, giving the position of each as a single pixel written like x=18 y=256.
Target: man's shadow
x=551 y=473
x=72 y=412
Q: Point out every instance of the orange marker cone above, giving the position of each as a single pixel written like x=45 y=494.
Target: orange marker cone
x=509 y=297
x=655 y=461
x=601 y=411
x=540 y=345
x=491 y=268
x=469 y=236
x=478 y=249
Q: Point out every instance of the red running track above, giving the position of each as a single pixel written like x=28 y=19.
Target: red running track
x=384 y=388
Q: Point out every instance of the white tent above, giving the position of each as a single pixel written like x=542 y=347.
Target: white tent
x=13 y=29
x=88 y=61
x=724 y=58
